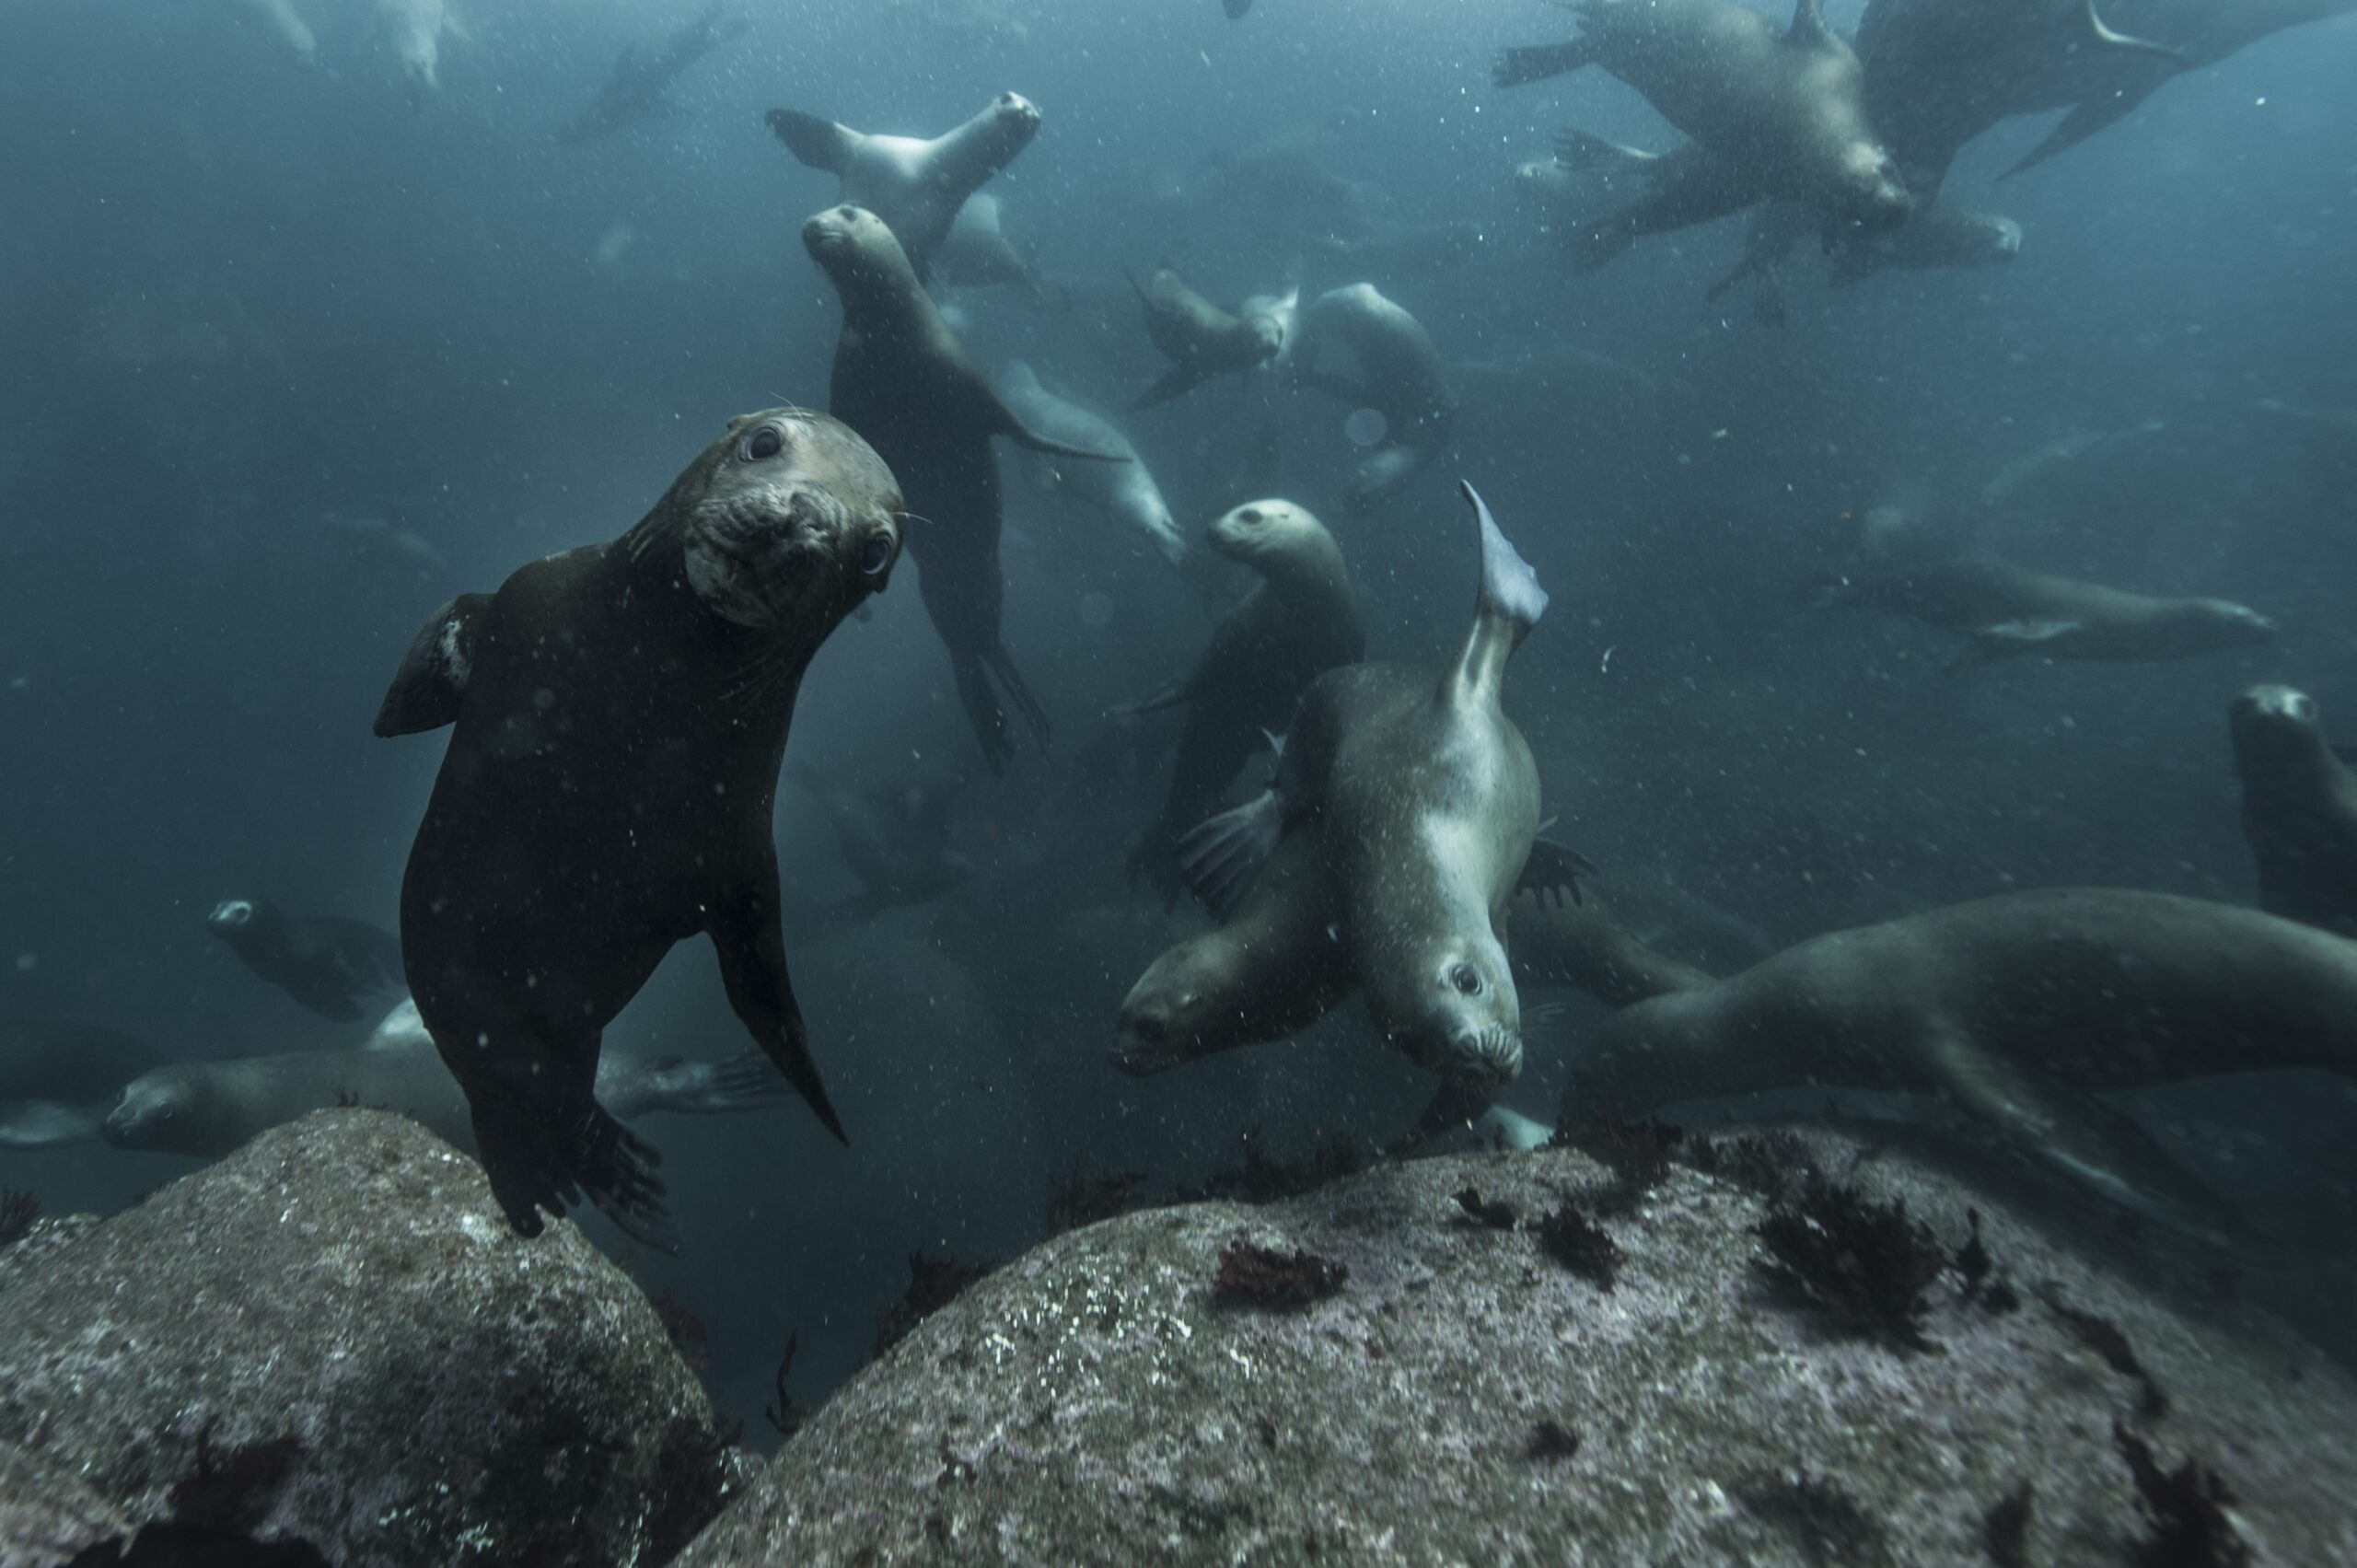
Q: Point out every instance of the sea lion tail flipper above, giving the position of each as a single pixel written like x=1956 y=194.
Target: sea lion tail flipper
x=1508 y=605
x=1553 y=870
x=1018 y=691
x=821 y=144
x=1535 y=62
x=1177 y=381
x=1221 y=856
x=427 y=689
x=747 y=1081
x=751 y=944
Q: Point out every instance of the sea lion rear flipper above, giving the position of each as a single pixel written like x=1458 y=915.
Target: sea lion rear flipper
x=1508 y=605
x=1177 y=381
x=1582 y=153
x=751 y=944
x=1535 y=62
x=2092 y=115
x=1454 y=1106
x=1555 y=869
x=535 y=1163
x=747 y=1081
x=46 y=1123
x=430 y=684
x=821 y=144
x=1222 y=855
x=2347 y=754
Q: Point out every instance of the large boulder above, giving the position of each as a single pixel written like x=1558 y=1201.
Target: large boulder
x=1463 y=1397
x=453 y=1392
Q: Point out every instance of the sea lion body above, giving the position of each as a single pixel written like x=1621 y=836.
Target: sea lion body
x=620 y=713
x=1124 y=492
x=1298 y=622
x=2007 y=613
x=976 y=252
x=1199 y=338
x=324 y=963
x=2299 y=809
x=914 y=186
x=2017 y=1009
x=58 y=1077
x=1398 y=374
x=904 y=381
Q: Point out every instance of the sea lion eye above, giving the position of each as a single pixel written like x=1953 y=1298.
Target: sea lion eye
x=764 y=443
x=1250 y=515
x=875 y=554
x=1466 y=978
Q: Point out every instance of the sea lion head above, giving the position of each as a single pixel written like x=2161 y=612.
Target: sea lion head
x=1463 y=1022
x=1869 y=193
x=1016 y=118
x=789 y=520
x=1253 y=533
x=2274 y=724
x=859 y=251
x=164 y=1110
x=1181 y=1008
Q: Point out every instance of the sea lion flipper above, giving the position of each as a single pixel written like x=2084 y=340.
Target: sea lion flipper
x=430 y=684
x=1168 y=695
x=747 y=1081
x=536 y=1163
x=2346 y=753
x=1508 y=605
x=1535 y=62
x=1177 y=381
x=1023 y=435
x=1552 y=870
x=1808 y=29
x=1221 y=856
x=1582 y=153
x=821 y=144
x=751 y=944
x=2007 y=639
x=2107 y=37
x=2090 y=116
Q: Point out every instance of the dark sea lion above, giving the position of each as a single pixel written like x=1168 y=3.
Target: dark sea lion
x=1199 y=338
x=57 y=1078
x=2008 y=613
x=1771 y=115
x=904 y=381
x=324 y=963
x=1427 y=805
x=2017 y=1010
x=212 y=1108
x=633 y=89
x=2299 y=809
x=915 y=186
x=896 y=842
x=1398 y=375
x=1300 y=620
x=620 y=713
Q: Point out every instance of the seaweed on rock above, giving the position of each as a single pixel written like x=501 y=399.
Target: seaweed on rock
x=1580 y=1245
x=2005 y=1528
x=1771 y=1163
x=1551 y=1439
x=18 y=1211
x=1087 y=1196
x=787 y=1416
x=1483 y=1211
x=2185 y=1511
x=1637 y=1153
x=1826 y=1523
x=934 y=1284
x=215 y=1511
x=1260 y=1179
x=2109 y=1340
x=1263 y=1277
x=1864 y=1266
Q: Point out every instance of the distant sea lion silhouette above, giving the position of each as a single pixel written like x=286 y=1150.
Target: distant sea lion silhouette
x=1199 y=338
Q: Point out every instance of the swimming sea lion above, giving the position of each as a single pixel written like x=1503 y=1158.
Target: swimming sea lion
x=1771 y=115
x=57 y=1078
x=1199 y=338
x=1938 y=236
x=1300 y=620
x=915 y=187
x=2017 y=1010
x=976 y=252
x=905 y=382
x=1124 y=492
x=322 y=962
x=633 y=89
x=1576 y=943
x=896 y=842
x=2299 y=809
x=1398 y=376
x=621 y=711
x=1427 y=805
x=212 y=1108
x=2007 y=613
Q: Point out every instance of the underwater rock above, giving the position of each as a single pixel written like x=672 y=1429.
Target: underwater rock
x=47 y=1513
x=451 y=1390
x=1091 y=1401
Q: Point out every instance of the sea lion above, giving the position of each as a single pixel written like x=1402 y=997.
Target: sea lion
x=633 y=89
x=2006 y=613
x=2018 y=1010
x=1200 y=339
x=1123 y=492
x=1300 y=620
x=976 y=252
x=413 y=30
x=2299 y=809
x=1938 y=236
x=1400 y=377
x=901 y=377
x=57 y=1078
x=1771 y=115
x=896 y=842
x=1576 y=943
x=212 y=1108
x=915 y=187
x=324 y=963
x=1427 y=805
x=620 y=713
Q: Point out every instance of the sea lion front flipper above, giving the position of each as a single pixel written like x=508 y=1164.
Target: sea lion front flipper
x=1535 y=62
x=46 y=1123
x=536 y=1162
x=2107 y=37
x=1023 y=435
x=751 y=944
x=747 y=1081
x=1222 y=855
x=2090 y=116
x=821 y=144
x=2009 y=639
x=1177 y=381
x=431 y=681
x=1552 y=870
x=1578 y=151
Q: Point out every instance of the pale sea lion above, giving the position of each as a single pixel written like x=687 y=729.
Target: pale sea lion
x=1398 y=375
x=1199 y=338
x=2007 y=613
x=1427 y=805
x=413 y=30
x=325 y=963
x=1299 y=620
x=2299 y=809
x=1771 y=115
x=58 y=1078
x=2017 y=1010
x=902 y=379
x=621 y=712
x=915 y=186
x=1123 y=492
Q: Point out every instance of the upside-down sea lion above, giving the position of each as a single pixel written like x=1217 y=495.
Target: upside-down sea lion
x=2006 y=613
x=1299 y=620
x=1398 y=376
x=1426 y=802
x=2299 y=809
x=1124 y=491
x=1771 y=115
x=57 y=1078
x=620 y=713
x=1199 y=338
x=915 y=187
x=323 y=962
x=2018 y=1010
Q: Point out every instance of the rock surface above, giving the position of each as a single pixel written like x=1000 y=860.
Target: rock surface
x=459 y=1394
x=47 y=1514
x=1091 y=1402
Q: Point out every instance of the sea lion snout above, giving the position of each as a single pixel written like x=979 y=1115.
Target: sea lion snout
x=1016 y=105
x=231 y=915
x=2269 y=702
x=767 y=554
